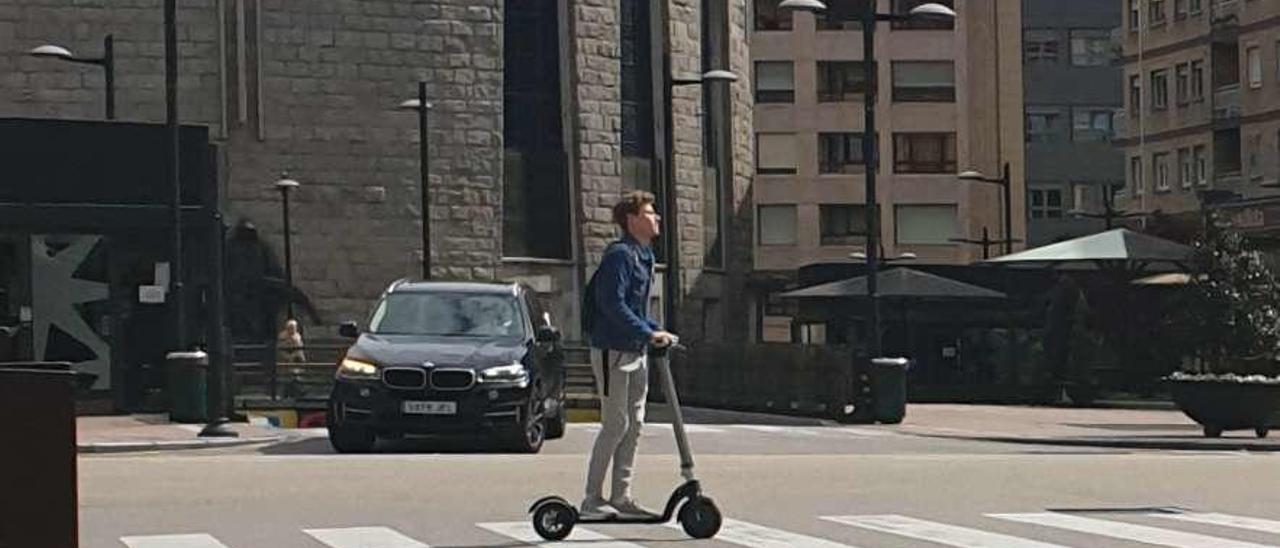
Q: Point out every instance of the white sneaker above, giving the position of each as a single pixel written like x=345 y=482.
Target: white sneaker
x=596 y=508
x=628 y=508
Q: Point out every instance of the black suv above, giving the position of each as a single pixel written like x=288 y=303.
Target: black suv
x=443 y=358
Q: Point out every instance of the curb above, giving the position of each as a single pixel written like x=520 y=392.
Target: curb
x=1121 y=443
x=142 y=446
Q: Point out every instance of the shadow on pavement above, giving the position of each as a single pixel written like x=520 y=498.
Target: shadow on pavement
x=320 y=446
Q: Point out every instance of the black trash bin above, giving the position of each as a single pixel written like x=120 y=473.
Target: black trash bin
x=38 y=462
x=889 y=389
x=186 y=373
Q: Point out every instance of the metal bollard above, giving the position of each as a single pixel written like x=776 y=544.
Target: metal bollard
x=38 y=469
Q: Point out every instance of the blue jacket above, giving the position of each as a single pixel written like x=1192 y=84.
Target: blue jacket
x=622 y=287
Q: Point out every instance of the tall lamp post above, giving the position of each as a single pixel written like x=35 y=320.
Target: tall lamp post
x=1004 y=182
x=107 y=62
x=986 y=242
x=869 y=157
x=424 y=166
x=286 y=185
x=669 y=206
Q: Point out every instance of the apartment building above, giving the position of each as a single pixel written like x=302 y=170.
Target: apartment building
x=1202 y=86
x=950 y=100
x=1074 y=101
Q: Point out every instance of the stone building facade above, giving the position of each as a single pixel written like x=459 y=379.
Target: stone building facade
x=544 y=111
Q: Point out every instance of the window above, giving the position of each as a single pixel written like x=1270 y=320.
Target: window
x=1255 y=156
x=842 y=224
x=636 y=82
x=844 y=15
x=1160 y=165
x=1201 y=165
x=1135 y=97
x=1197 y=80
x=841 y=81
x=1253 y=57
x=1182 y=83
x=1135 y=13
x=924 y=153
x=1090 y=47
x=1226 y=152
x=1159 y=89
x=776 y=153
x=1091 y=124
x=775 y=82
x=1195 y=6
x=1135 y=175
x=770 y=17
x=1044 y=125
x=1080 y=199
x=925 y=224
x=777 y=224
x=1046 y=203
x=903 y=7
x=840 y=153
x=1179 y=10
x=1040 y=46
x=1155 y=12
x=535 y=179
x=924 y=82
x=1186 y=169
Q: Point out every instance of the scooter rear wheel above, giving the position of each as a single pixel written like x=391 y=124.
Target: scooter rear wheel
x=700 y=518
x=554 y=520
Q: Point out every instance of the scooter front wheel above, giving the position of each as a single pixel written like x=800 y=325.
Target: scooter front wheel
x=554 y=520
x=700 y=518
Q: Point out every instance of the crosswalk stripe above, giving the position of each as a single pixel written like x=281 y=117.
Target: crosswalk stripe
x=363 y=537
x=1125 y=531
x=758 y=536
x=770 y=429
x=941 y=533
x=523 y=532
x=1226 y=520
x=172 y=541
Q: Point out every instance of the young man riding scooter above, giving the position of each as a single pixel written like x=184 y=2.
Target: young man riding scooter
x=617 y=300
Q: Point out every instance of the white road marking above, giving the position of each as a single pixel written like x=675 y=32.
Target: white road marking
x=363 y=537
x=1126 y=531
x=941 y=533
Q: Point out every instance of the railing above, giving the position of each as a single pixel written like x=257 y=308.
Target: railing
x=1226 y=103
x=259 y=375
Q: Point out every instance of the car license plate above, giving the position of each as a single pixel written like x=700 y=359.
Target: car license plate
x=430 y=407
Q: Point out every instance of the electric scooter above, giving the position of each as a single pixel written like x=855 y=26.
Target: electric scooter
x=554 y=517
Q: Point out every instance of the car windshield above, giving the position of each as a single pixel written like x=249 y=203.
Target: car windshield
x=448 y=315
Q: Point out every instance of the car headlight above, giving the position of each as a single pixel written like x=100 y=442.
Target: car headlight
x=357 y=369
x=506 y=374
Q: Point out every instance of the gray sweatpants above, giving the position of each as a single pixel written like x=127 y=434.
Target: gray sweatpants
x=621 y=416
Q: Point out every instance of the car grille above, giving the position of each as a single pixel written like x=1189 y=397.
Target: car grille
x=452 y=379
x=409 y=378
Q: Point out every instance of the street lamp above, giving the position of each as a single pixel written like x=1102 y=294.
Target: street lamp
x=107 y=62
x=286 y=185
x=1004 y=181
x=869 y=18
x=421 y=105
x=986 y=242
x=669 y=205
x=1109 y=212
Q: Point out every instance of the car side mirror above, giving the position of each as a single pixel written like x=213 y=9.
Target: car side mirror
x=349 y=330
x=547 y=333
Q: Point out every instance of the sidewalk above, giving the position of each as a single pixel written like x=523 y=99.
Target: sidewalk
x=126 y=433
x=1120 y=428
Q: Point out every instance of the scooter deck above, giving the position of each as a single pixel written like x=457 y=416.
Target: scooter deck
x=625 y=520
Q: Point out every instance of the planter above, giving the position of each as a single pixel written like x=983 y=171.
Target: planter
x=1227 y=404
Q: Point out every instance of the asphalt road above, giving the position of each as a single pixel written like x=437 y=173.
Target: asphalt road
x=779 y=486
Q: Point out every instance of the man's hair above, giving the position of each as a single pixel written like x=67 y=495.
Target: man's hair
x=631 y=204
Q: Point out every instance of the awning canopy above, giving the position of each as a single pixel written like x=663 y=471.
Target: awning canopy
x=1115 y=247
x=898 y=283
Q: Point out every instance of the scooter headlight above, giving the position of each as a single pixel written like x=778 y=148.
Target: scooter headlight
x=505 y=374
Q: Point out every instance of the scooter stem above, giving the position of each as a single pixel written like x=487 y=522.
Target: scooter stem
x=677 y=424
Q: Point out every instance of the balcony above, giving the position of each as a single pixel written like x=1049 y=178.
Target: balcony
x=1224 y=15
x=1226 y=106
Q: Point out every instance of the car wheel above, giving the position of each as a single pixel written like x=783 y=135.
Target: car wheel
x=532 y=429
x=556 y=425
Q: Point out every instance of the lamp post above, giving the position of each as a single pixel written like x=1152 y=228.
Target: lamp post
x=286 y=185
x=1004 y=181
x=172 y=165
x=869 y=19
x=670 y=207
x=986 y=242
x=1109 y=212
x=107 y=62
x=424 y=167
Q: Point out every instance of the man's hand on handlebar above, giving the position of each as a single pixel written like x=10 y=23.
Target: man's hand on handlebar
x=663 y=339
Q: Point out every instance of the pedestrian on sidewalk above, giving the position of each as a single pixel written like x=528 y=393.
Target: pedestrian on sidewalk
x=289 y=344
x=616 y=319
